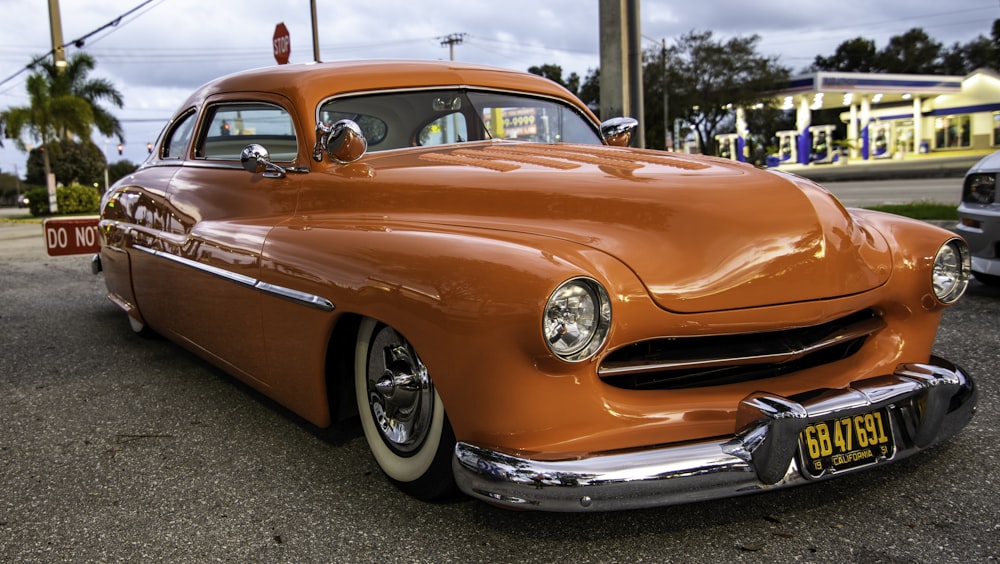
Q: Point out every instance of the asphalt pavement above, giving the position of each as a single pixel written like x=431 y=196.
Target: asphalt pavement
x=117 y=448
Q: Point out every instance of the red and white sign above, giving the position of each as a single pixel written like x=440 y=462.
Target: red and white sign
x=282 y=44
x=72 y=236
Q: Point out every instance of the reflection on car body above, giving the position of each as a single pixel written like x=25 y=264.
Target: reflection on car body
x=518 y=305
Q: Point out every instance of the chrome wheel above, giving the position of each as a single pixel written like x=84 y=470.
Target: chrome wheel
x=400 y=393
x=402 y=416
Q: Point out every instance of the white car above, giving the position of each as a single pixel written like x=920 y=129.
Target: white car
x=979 y=213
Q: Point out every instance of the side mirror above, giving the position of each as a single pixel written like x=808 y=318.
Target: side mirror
x=343 y=141
x=256 y=159
x=618 y=131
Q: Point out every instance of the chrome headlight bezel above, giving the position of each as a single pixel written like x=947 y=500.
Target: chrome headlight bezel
x=951 y=271
x=576 y=319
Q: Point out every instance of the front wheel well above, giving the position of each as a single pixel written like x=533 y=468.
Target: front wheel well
x=340 y=368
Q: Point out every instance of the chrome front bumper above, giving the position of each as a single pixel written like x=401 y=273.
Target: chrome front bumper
x=927 y=403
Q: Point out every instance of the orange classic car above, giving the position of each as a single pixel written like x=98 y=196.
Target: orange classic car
x=520 y=307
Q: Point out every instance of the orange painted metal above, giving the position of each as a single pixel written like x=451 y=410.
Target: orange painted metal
x=459 y=246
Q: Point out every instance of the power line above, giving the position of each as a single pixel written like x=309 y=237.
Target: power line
x=78 y=42
x=451 y=41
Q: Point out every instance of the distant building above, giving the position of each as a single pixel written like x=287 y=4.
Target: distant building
x=891 y=115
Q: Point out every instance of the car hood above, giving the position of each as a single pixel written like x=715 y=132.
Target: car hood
x=703 y=234
x=989 y=163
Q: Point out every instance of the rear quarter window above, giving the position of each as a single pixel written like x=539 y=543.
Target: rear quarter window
x=177 y=139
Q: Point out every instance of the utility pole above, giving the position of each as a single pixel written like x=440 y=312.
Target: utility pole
x=55 y=24
x=621 y=63
x=59 y=58
x=315 y=32
x=451 y=41
x=668 y=140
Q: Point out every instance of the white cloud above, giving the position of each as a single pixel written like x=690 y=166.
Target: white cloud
x=169 y=47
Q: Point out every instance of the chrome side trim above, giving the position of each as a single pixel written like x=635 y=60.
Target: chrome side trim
x=310 y=300
x=927 y=403
x=857 y=330
x=299 y=297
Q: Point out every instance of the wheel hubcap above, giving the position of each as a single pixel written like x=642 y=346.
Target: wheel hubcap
x=400 y=392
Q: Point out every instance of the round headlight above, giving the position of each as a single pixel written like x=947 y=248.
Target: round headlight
x=950 y=276
x=576 y=319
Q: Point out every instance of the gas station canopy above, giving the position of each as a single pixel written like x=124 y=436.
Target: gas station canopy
x=829 y=90
x=887 y=115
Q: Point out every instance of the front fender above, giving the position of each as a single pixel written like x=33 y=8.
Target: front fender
x=470 y=301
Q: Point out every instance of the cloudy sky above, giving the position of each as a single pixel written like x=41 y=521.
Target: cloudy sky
x=162 y=51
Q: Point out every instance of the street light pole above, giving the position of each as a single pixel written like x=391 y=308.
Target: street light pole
x=106 y=164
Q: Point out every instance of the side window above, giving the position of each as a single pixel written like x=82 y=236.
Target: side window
x=447 y=129
x=178 y=137
x=230 y=127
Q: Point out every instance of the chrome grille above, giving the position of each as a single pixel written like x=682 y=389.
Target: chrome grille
x=689 y=362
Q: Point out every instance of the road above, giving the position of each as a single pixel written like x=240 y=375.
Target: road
x=874 y=192
x=119 y=448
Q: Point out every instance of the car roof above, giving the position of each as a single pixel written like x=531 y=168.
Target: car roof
x=309 y=83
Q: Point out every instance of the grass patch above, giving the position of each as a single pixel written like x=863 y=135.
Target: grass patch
x=26 y=218
x=920 y=210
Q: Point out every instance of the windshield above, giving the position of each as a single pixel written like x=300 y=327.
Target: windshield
x=434 y=117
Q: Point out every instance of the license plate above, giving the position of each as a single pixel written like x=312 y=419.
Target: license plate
x=846 y=443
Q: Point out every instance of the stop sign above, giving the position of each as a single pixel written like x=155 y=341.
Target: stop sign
x=282 y=44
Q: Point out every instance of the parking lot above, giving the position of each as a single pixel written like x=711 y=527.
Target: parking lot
x=119 y=448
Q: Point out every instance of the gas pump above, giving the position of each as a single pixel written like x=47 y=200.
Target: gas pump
x=786 y=147
x=823 y=151
x=881 y=140
x=727 y=146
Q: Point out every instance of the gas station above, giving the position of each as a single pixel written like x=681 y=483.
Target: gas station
x=887 y=116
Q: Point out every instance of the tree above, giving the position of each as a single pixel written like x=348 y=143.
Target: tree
x=590 y=91
x=47 y=114
x=853 y=55
x=587 y=92
x=63 y=104
x=120 y=170
x=707 y=79
x=10 y=188
x=981 y=52
x=73 y=80
x=914 y=52
x=72 y=162
x=953 y=60
x=555 y=74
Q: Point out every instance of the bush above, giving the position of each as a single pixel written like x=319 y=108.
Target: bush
x=78 y=199
x=75 y=199
x=38 y=201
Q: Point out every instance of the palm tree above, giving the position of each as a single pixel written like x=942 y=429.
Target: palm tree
x=73 y=80
x=63 y=103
